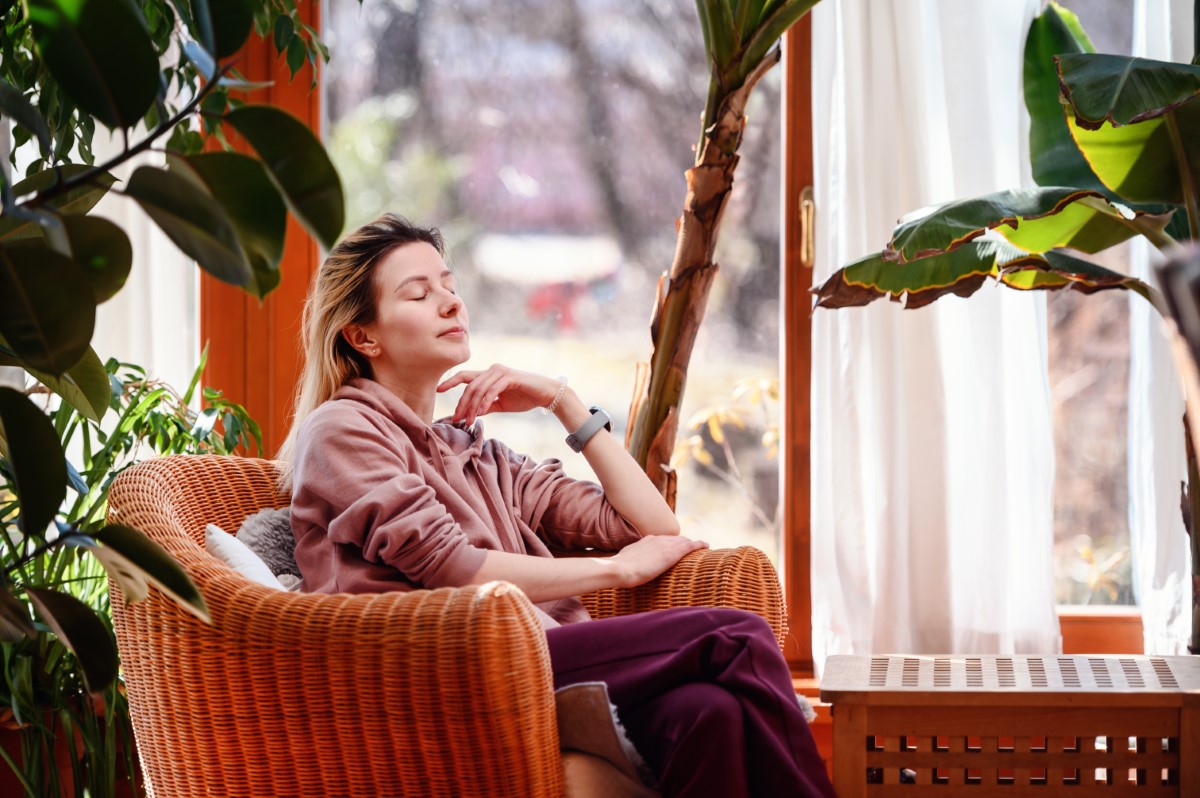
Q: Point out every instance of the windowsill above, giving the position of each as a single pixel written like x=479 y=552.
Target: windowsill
x=1101 y=630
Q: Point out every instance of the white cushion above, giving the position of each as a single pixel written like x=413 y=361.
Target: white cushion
x=231 y=551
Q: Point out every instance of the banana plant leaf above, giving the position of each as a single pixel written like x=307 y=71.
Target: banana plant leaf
x=961 y=272
x=1035 y=219
x=1053 y=155
x=1121 y=90
x=1138 y=161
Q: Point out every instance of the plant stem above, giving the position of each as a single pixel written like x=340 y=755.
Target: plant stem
x=1190 y=200
x=62 y=186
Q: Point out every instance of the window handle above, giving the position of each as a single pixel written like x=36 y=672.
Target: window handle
x=808 y=227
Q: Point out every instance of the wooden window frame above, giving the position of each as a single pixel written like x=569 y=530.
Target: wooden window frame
x=797 y=355
x=254 y=353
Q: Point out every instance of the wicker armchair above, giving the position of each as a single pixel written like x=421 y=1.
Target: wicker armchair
x=439 y=692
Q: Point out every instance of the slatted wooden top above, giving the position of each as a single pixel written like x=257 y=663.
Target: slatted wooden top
x=990 y=680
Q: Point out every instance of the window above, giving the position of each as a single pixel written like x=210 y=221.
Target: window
x=548 y=139
x=1089 y=378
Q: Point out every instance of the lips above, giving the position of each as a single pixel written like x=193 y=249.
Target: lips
x=453 y=331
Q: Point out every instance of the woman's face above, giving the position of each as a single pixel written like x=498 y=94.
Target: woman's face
x=420 y=323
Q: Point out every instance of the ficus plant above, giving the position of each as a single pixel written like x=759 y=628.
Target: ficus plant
x=741 y=42
x=159 y=74
x=44 y=688
x=1114 y=145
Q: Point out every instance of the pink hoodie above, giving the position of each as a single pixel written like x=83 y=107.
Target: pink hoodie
x=382 y=501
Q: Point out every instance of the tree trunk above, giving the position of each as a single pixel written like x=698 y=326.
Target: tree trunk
x=683 y=291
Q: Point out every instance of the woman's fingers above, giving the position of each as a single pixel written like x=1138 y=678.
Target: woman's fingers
x=650 y=556
x=498 y=389
x=457 y=379
x=481 y=394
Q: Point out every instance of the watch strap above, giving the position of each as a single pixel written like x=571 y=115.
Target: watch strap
x=597 y=420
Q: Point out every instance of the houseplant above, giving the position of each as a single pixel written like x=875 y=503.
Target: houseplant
x=1115 y=149
x=740 y=40
x=67 y=740
x=162 y=73
x=67 y=67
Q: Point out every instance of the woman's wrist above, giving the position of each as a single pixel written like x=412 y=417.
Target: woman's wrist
x=571 y=410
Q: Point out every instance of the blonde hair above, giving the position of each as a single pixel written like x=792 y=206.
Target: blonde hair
x=343 y=293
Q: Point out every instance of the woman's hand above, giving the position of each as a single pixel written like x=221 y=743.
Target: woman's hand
x=645 y=559
x=499 y=389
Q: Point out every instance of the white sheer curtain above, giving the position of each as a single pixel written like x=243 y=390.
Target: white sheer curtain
x=154 y=320
x=932 y=453
x=1161 y=559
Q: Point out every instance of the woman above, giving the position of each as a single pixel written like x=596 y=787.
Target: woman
x=386 y=498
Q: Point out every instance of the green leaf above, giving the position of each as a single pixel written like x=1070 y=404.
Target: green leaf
x=1055 y=159
x=1089 y=225
x=193 y=220
x=101 y=55
x=299 y=165
x=84 y=386
x=1063 y=271
x=958 y=222
x=36 y=458
x=14 y=618
x=47 y=308
x=80 y=629
x=104 y=251
x=232 y=21
x=134 y=562
x=284 y=28
x=961 y=272
x=1137 y=162
x=251 y=201
x=770 y=30
x=98 y=245
x=722 y=34
x=296 y=54
x=1121 y=90
x=14 y=105
x=78 y=200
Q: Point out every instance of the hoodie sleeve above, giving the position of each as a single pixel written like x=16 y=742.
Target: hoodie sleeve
x=353 y=482
x=569 y=513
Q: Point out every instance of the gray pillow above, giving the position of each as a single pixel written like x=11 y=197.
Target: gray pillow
x=268 y=533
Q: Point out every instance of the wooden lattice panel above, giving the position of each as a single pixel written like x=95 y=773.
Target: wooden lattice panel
x=1007 y=726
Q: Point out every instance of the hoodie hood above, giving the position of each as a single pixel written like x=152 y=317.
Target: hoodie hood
x=437 y=442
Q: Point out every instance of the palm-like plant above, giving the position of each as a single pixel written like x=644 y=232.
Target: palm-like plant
x=1115 y=150
x=741 y=43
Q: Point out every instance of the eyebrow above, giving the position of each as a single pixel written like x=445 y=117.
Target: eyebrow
x=421 y=278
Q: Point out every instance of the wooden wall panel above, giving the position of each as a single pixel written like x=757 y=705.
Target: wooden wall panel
x=253 y=347
x=797 y=359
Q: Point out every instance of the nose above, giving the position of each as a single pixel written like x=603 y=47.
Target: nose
x=452 y=305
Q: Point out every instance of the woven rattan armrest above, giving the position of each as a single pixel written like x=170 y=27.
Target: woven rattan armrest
x=437 y=692
x=742 y=578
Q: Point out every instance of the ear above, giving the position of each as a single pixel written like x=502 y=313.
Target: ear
x=361 y=340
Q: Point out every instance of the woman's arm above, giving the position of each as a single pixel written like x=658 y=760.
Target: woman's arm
x=549 y=579
x=626 y=486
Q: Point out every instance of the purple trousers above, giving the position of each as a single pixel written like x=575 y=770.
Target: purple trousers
x=705 y=695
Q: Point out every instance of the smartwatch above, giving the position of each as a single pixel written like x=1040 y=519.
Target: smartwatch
x=587 y=429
